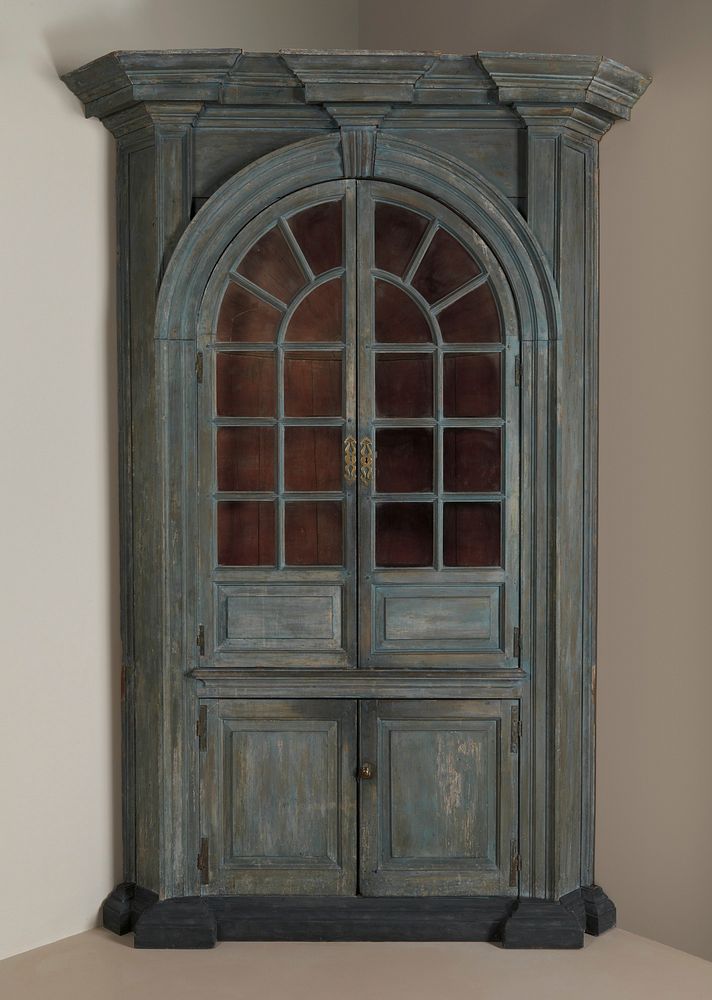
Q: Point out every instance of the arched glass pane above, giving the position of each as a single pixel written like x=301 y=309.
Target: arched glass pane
x=312 y=459
x=270 y=265
x=399 y=320
x=246 y=533
x=312 y=384
x=472 y=534
x=319 y=232
x=404 y=534
x=472 y=319
x=472 y=460
x=246 y=385
x=472 y=385
x=244 y=318
x=446 y=266
x=320 y=316
x=246 y=458
x=404 y=385
x=398 y=233
x=314 y=533
x=404 y=460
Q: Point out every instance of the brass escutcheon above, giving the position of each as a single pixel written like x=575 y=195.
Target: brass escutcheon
x=366 y=461
x=350 y=459
x=366 y=771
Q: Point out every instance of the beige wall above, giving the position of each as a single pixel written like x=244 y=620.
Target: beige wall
x=59 y=741
x=59 y=790
x=654 y=827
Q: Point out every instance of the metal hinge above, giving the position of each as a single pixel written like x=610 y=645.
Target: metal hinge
x=516 y=643
x=201 y=728
x=199 y=366
x=200 y=640
x=517 y=370
x=203 y=861
x=515 y=730
x=515 y=863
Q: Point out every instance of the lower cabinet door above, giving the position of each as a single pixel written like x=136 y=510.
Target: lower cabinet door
x=438 y=806
x=278 y=797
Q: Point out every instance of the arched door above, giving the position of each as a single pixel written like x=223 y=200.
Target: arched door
x=358 y=439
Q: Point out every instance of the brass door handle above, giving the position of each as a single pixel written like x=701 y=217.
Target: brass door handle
x=366 y=461
x=366 y=771
x=350 y=459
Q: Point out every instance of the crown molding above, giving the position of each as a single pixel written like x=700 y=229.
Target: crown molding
x=587 y=93
x=584 y=93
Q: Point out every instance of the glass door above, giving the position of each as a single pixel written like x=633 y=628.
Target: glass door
x=438 y=428
x=278 y=439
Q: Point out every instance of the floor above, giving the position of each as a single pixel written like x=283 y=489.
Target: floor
x=99 y=966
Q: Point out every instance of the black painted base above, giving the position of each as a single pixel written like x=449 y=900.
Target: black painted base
x=199 y=922
x=600 y=910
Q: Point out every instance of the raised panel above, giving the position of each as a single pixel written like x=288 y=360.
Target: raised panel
x=270 y=617
x=409 y=618
x=440 y=815
x=442 y=793
x=278 y=796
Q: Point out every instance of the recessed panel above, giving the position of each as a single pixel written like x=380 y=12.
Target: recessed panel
x=404 y=534
x=246 y=533
x=245 y=458
x=246 y=385
x=472 y=385
x=312 y=384
x=278 y=800
x=472 y=534
x=443 y=792
x=271 y=265
x=404 y=460
x=472 y=459
x=312 y=459
x=285 y=616
x=404 y=385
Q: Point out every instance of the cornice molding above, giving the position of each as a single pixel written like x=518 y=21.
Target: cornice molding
x=585 y=93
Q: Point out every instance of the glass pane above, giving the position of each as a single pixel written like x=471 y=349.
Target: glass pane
x=313 y=533
x=472 y=385
x=312 y=458
x=404 y=534
x=472 y=459
x=398 y=233
x=246 y=385
x=404 y=385
x=244 y=318
x=445 y=267
x=270 y=264
x=318 y=231
x=312 y=385
x=473 y=319
x=472 y=534
x=245 y=458
x=398 y=319
x=404 y=460
x=246 y=533
x=320 y=316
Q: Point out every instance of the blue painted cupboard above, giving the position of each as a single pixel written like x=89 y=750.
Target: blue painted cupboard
x=358 y=364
